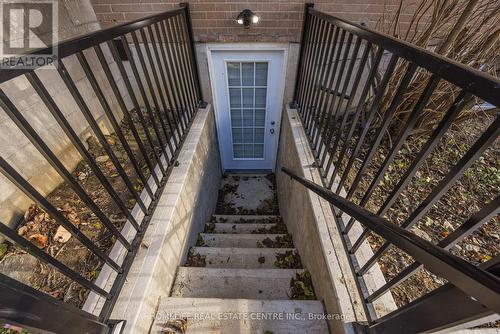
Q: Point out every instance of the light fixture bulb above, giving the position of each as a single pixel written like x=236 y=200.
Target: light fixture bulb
x=246 y=18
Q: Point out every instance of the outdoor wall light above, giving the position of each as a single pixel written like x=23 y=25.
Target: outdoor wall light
x=247 y=18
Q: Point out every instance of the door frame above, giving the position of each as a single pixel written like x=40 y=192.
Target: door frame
x=253 y=47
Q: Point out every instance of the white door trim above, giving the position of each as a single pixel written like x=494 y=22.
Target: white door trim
x=255 y=47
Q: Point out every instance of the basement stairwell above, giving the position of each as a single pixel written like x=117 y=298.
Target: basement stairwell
x=244 y=274
x=395 y=230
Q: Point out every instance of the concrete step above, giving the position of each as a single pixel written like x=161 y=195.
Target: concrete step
x=233 y=283
x=245 y=219
x=240 y=228
x=229 y=316
x=243 y=258
x=243 y=240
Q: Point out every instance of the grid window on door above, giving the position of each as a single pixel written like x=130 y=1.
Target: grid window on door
x=247 y=83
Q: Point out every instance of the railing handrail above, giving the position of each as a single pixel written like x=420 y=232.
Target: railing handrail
x=476 y=282
x=36 y=308
x=477 y=82
x=73 y=45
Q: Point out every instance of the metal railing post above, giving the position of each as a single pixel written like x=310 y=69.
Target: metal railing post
x=201 y=101
x=301 y=51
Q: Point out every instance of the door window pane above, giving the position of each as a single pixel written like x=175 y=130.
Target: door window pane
x=258 y=150
x=238 y=151
x=237 y=135
x=247 y=74
x=248 y=151
x=236 y=118
x=260 y=117
x=248 y=136
x=248 y=97
x=235 y=97
x=233 y=73
x=248 y=117
x=260 y=97
x=259 y=135
x=260 y=74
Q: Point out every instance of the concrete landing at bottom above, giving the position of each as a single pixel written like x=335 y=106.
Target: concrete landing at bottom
x=243 y=316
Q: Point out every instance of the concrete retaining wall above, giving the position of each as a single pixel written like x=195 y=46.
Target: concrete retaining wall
x=310 y=220
x=185 y=206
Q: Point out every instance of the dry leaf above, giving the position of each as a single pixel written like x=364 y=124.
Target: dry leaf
x=177 y=325
x=102 y=158
x=70 y=214
x=39 y=218
x=22 y=230
x=40 y=240
x=31 y=212
x=62 y=235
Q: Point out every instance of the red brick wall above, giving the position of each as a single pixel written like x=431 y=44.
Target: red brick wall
x=281 y=20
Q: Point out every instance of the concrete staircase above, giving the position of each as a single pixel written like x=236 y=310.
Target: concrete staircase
x=243 y=272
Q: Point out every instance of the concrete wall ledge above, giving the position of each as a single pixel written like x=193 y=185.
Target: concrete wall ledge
x=186 y=204
x=310 y=220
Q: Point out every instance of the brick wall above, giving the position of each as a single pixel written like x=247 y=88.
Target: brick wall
x=281 y=20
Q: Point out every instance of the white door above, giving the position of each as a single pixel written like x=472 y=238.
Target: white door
x=248 y=96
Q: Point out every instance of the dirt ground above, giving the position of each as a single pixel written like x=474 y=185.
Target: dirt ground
x=40 y=228
x=479 y=185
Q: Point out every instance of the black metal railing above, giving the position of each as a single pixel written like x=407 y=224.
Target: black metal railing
x=155 y=62
x=347 y=96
